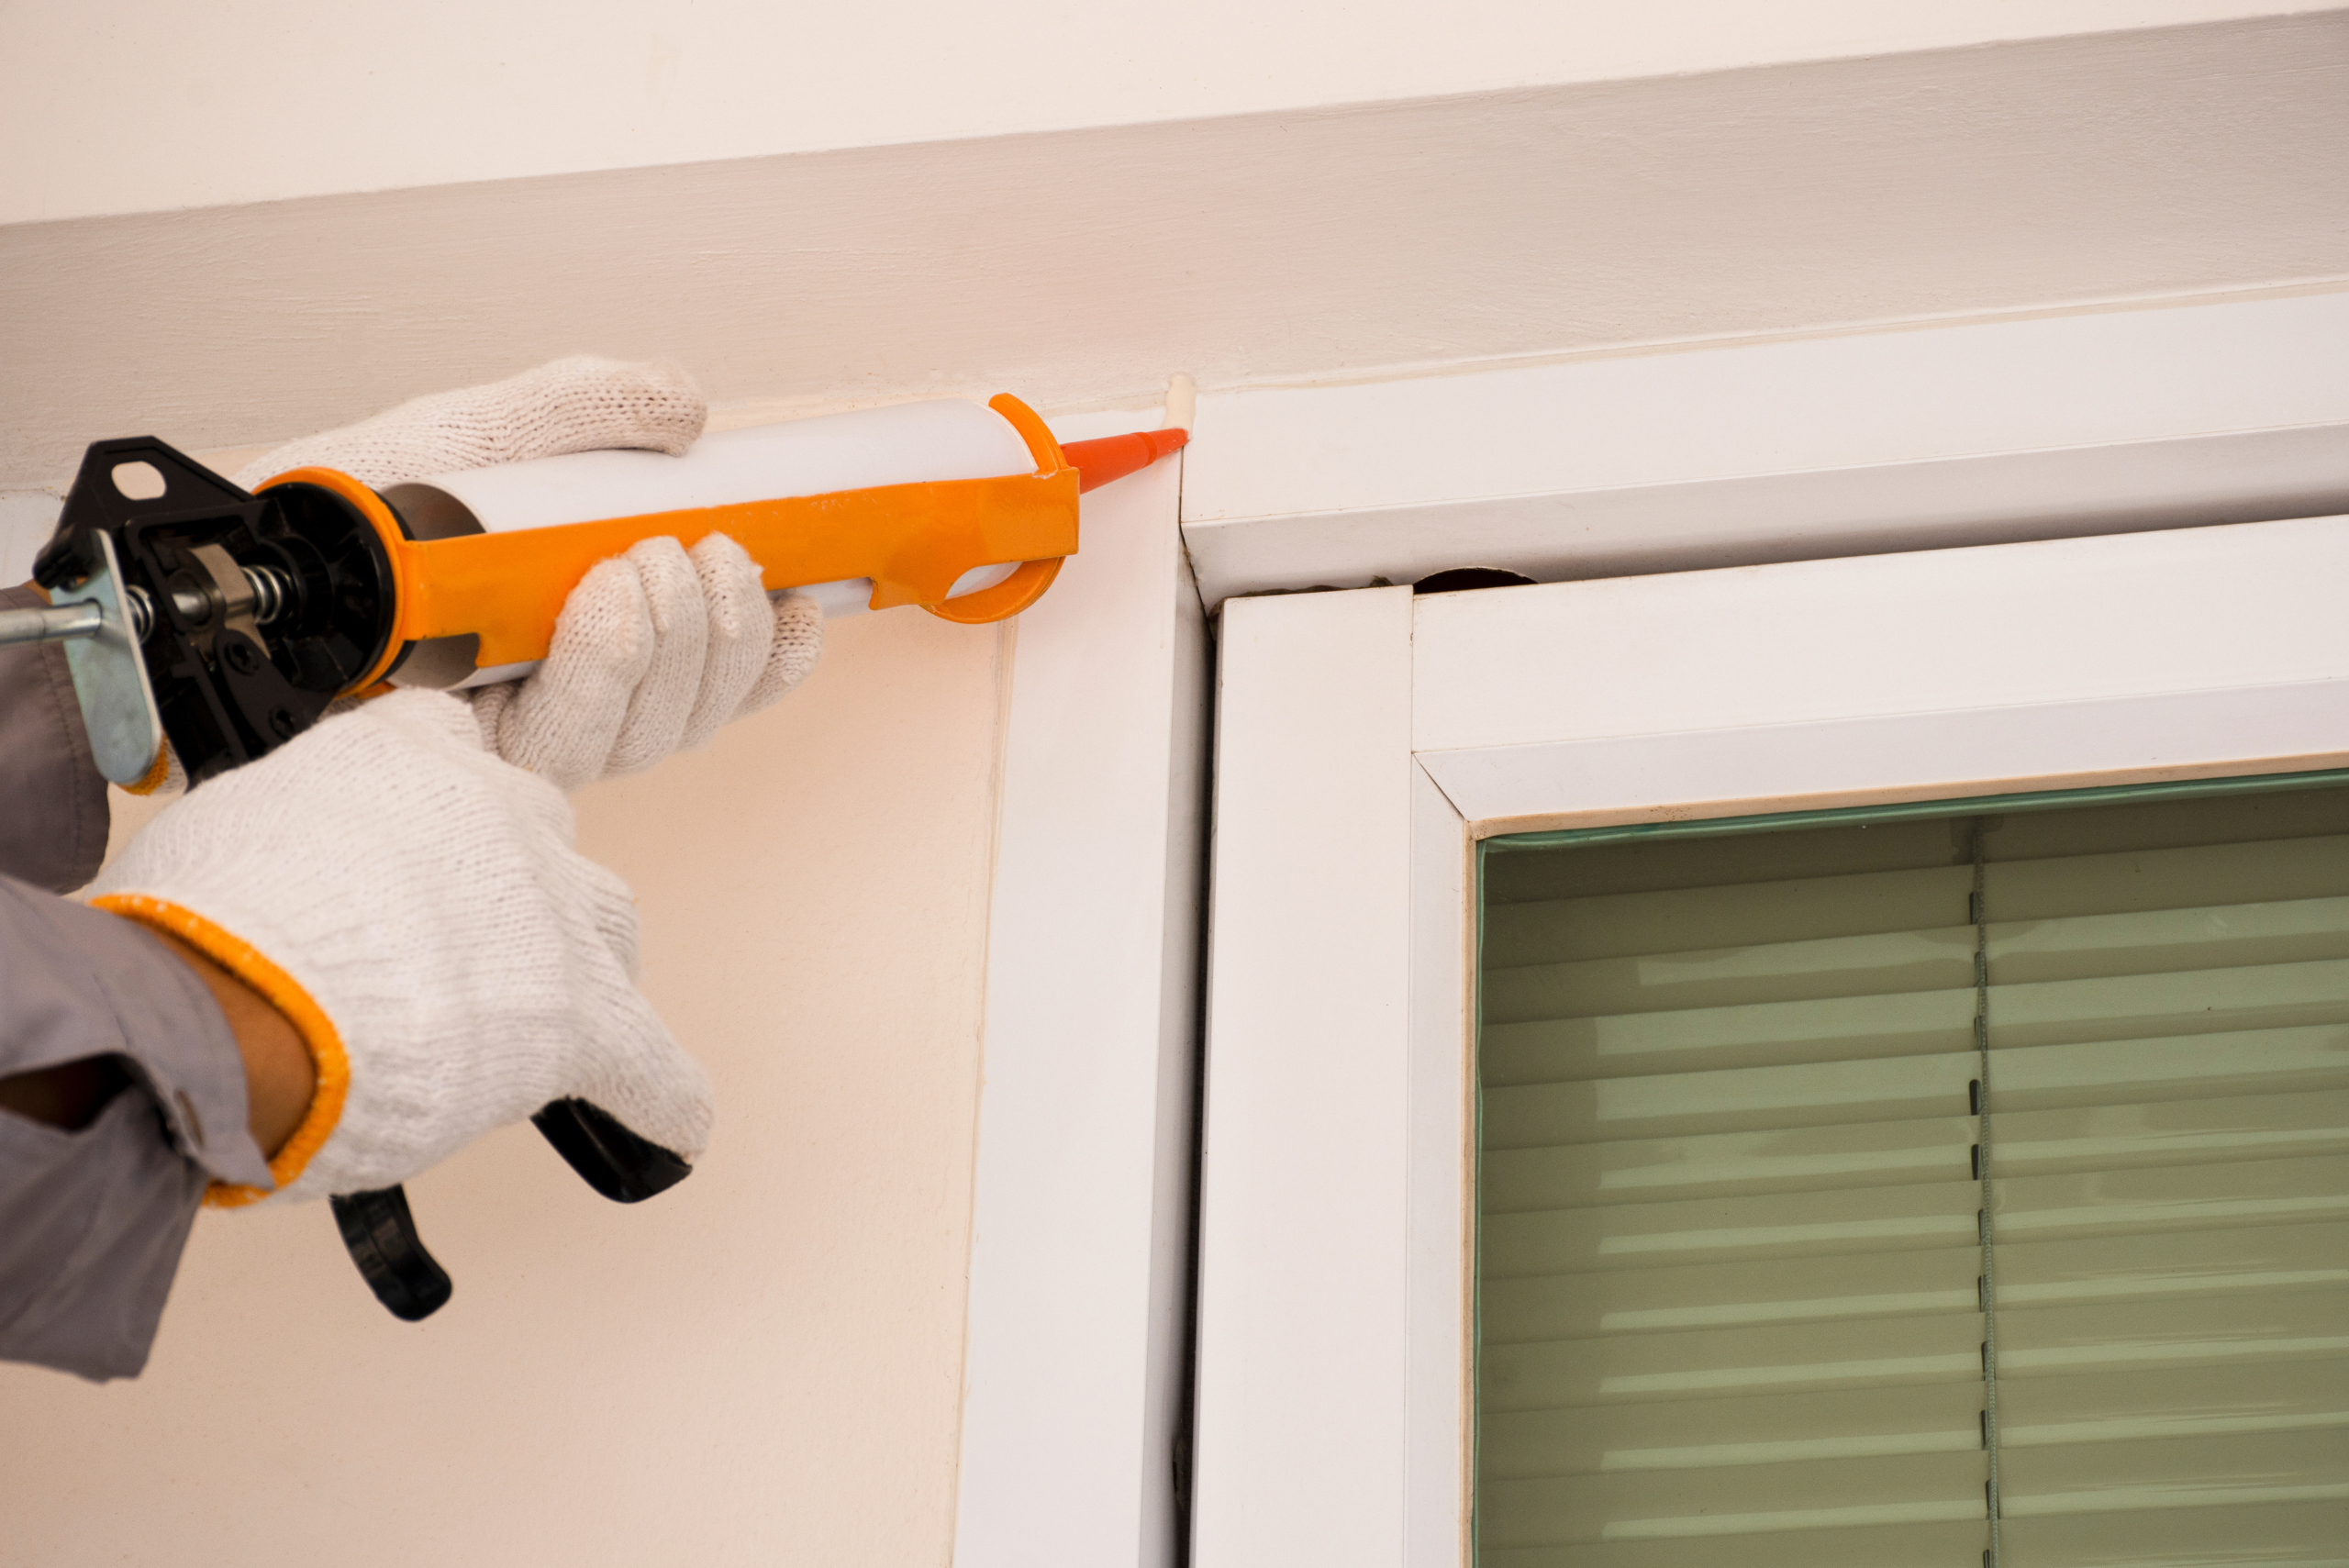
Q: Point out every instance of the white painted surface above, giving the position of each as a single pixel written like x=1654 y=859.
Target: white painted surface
x=1078 y=266
x=1441 y=1181
x=28 y=519
x=1081 y=1230
x=128 y=106
x=1839 y=445
x=2065 y=620
x=1304 y=1328
x=1836 y=402
x=763 y=1367
x=1949 y=755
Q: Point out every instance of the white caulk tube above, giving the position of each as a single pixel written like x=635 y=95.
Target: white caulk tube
x=905 y=443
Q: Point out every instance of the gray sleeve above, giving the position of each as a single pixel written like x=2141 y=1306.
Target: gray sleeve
x=92 y=1222
x=52 y=802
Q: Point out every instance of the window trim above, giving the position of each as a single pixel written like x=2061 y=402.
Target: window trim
x=1674 y=458
x=2064 y=433
x=1076 y=1339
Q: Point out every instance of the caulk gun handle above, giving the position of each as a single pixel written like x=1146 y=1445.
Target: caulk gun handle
x=608 y=1156
x=381 y=1233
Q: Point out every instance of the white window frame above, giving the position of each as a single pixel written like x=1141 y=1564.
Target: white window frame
x=2063 y=427
x=1368 y=739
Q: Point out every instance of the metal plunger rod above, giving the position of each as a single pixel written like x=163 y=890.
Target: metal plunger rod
x=49 y=623
x=63 y=622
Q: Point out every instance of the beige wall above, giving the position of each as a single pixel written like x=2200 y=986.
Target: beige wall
x=135 y=105
x=760 y=1367
x=1079 y=267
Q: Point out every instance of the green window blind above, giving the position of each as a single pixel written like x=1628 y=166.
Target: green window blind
x=1760 y=1205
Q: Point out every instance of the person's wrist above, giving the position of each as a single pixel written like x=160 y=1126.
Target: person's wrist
x=68 y=1096
x=280 y=1078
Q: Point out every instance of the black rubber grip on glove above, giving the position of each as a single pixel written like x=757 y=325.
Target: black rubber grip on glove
x=381 y=1233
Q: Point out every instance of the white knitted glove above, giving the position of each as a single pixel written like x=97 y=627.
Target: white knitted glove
x=579 y=404
x=654 y=651
x=415 y=907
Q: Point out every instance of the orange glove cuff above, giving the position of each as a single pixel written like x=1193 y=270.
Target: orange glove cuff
x=156 y=774
x=278 y=988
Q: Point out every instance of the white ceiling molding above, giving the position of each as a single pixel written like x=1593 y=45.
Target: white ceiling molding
x=1082 y=266
x=2108 y=422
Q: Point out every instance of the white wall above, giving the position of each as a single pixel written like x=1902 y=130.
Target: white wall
x=760 y=1367
x=133 y=105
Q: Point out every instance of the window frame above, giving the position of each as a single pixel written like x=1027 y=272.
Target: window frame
x=1367 y=739
x=2086 y=423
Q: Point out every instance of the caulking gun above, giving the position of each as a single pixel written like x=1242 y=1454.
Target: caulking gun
x=225 y=622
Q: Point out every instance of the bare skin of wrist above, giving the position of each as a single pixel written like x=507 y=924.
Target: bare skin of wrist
x=279 y=1075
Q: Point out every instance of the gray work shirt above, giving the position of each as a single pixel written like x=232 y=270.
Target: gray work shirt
x=92 y=1222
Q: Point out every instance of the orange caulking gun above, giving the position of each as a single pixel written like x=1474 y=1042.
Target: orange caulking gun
x=226 y=622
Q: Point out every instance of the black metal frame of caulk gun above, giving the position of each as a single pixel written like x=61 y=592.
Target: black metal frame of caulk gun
x=226 y=622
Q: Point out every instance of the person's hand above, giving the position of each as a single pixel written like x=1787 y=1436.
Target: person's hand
x=415 y=907
x=655 y=650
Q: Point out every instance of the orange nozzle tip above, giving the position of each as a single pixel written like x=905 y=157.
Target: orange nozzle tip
x=1106 y=458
